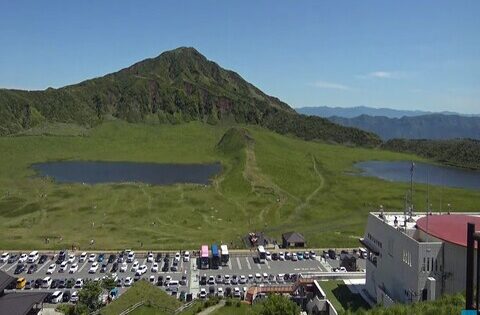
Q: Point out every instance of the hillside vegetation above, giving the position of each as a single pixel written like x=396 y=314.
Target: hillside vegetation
x=177 y=86
x=458 y=152
x=269 y=182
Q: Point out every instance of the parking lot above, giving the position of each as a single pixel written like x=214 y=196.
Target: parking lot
x=190 y=278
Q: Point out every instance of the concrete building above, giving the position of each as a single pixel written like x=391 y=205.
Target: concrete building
x=420 y=258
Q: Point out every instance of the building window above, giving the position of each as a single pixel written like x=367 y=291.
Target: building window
x=423 y=265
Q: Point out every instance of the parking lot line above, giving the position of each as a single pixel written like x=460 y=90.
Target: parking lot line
x=4 y=265
x=83 y=266
x=144 y=261
x=259 y=267
x=13 y=265
x=38 y=270
x=229 y=264
x=248 y=263
x=239 y=265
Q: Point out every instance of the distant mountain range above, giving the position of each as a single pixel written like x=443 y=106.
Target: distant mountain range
x=391 y=123
x=351 y=112
x=434 y=126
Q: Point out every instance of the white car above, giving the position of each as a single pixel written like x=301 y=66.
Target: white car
x=74 y=297
x=150 y=257
x=281 y=256
x=73 y=268
x=236 y=292
x=130 y=257
x=71 y=259
x=154 y=267
x=177 y=256
x=203 y=293
x=226 y=279
x=220 y=292
x=152 y=279
x=93 y=268
x=258 y=278
x=46 y=282
x=134 y=266
x=51 y=269
x=63 y=266
x=23 y=258
x=4 y=257
x=186 y=256
x=294 y=257
x=92 y=257
x=211 y=280
x=128 y=281
x=33 y=257
x=168 y=279
x=242 y=279
x=341 y=269
x=82 y=258
x=142 y=269
x=268 y=256
x=124 y=267
x=78 y=283
x=280 y=278
x=57 y=297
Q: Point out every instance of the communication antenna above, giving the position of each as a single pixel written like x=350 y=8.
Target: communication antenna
x=405 y=212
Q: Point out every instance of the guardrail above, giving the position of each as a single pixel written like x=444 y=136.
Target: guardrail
x=132 y=308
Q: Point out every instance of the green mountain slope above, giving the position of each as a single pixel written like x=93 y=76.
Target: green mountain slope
x=177 y=86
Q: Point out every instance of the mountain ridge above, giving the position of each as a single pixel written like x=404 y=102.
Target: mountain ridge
x=179 y=85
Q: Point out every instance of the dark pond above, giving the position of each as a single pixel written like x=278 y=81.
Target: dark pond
x=119 y=172
x=399 y=171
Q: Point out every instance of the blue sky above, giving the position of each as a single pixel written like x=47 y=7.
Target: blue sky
x=396 y=54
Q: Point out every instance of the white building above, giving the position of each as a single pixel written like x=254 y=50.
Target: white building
x=420 y=258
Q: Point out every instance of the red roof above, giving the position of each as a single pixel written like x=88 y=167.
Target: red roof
x=450 y=228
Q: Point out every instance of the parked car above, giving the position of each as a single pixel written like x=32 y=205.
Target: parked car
x=73 y=268
x=103 y=269
x=19 y=269
x=93 y=268
x=128 y=281
x=135 y=266
x=83 y=257
x=100 y=258
x=57 y=297
x=158 y=258
x=154 y=267
x=62 y=256
x=4 y=258
x=21 y=282
x=43 y=259
x=63 y=266
x=186 y=256
x=150 y=257
x=111 y=258
x=92 y=257
x=78 y=283
x=46 y=282
x=74 y=297
x=202 y=294
x=32 y=269
x=66 y=296
x=23 y=258
x=33 y=257
x=51 y=269
x=13 y=258
x=220 y=292
x=114 y=267
x=124 y=267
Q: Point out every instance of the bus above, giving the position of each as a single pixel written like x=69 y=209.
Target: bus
x=204 y=259
x=224 y=253
x=215 y=262
x=261 y=254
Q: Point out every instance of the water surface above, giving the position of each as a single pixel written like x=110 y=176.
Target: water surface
x=399 y=171
x=91 y=172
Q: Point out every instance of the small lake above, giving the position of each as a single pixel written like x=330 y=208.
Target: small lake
x=91 y=172
x=399 y=171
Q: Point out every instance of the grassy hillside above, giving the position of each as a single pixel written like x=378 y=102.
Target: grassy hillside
x=180 y=85
x=458 y=152
x=156 y=300
x=269 y=182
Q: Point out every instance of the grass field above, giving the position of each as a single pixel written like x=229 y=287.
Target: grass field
x=156 y=300
x=275 y=184
x=341 y=297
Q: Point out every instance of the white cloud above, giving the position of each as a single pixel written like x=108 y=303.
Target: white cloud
x=330 y=85
x=381 y=74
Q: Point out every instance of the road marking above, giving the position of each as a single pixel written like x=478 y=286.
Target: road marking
x=239 y=265
x=266 y=263
x=13 y=265
x=144 y=261
x=42 y=266
x=229 y=264
x=248 y=263
x=4 y=265
x=83 y=266
x=259 y=266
